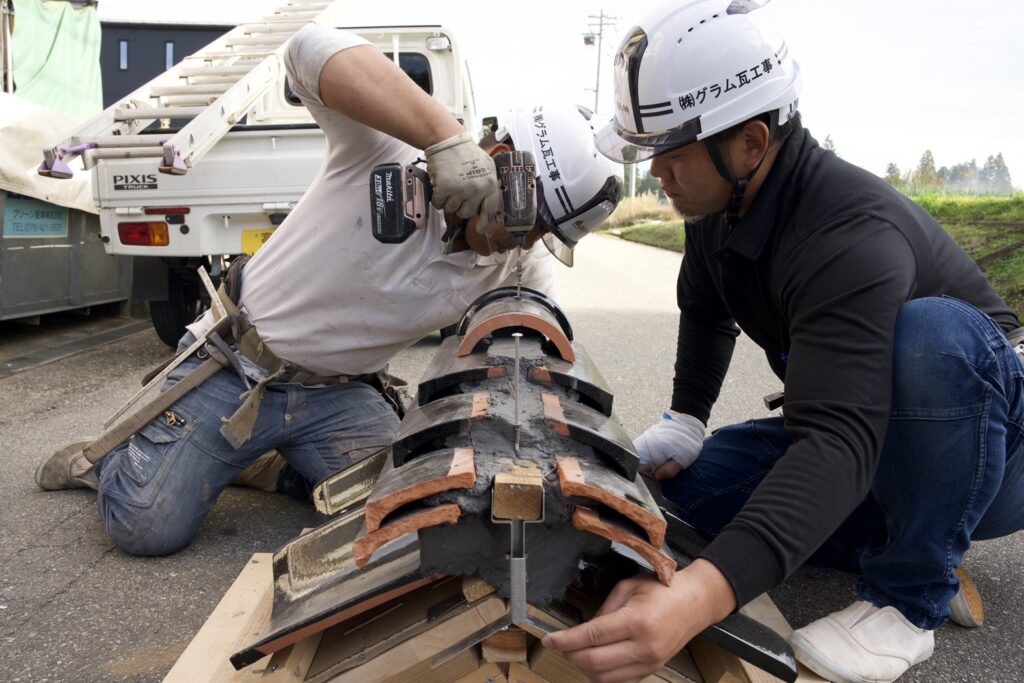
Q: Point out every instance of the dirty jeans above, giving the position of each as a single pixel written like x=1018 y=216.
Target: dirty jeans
x=156 y=489
x=951 y=468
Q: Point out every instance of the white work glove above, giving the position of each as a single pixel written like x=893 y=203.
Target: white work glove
x=464 y=179
x=678 y=437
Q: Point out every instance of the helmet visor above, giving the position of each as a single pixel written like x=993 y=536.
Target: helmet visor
x=627 y=147
x=559 y=249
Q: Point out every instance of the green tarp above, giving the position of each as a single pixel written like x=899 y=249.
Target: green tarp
x=57 y=56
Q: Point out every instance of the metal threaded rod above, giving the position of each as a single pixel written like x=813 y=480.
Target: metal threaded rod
x=515 y=390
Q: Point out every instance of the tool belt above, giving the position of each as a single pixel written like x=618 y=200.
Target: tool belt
x=236 y=329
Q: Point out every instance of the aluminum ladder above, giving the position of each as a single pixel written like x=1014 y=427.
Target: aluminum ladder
x=213 y=89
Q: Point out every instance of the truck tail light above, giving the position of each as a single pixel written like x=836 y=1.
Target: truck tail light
x=148 y=234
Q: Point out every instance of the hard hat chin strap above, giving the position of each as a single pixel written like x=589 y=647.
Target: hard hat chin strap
x=739 y=185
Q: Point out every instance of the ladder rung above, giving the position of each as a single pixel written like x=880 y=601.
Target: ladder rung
x=188 y=100
x=157 y=113
x=275 y=26
x=123 y=141
x=126 y=153
x=213 y=71
x=269 y=39
x=290 y=16
x=211 y=80
x=248 y=52
x=166 y=90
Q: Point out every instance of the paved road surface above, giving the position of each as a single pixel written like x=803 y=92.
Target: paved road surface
x=74 y=608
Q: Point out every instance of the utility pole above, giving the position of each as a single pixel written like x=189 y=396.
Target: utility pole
x=597 y=33
x=6 y=49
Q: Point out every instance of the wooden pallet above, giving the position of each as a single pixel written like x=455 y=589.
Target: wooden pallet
x=362 y=653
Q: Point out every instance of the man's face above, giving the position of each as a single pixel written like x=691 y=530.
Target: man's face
x=691 y=181
x=496 y=238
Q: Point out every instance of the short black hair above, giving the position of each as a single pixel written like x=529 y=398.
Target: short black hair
x=781 y=133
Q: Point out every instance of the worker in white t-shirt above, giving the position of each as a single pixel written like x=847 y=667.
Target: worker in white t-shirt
x=323 y=306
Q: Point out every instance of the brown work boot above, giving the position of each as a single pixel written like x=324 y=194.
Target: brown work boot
x=966 y=607
x=67 y=469
x=262 y=473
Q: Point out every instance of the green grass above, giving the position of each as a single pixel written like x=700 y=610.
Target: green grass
x=664 y=234
x=989 y=229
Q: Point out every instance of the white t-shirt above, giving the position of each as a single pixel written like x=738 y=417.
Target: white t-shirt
x=322 y=292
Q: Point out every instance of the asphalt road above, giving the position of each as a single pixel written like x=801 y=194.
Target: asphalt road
x=75 y=608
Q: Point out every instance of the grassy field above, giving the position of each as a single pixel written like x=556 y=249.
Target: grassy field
x=989 y=229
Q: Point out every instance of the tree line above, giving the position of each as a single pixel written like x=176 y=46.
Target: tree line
x=993 y=178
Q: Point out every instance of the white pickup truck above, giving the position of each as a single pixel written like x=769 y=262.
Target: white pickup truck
x=232 y=199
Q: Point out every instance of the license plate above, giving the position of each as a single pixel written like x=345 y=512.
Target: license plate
x=252 y=240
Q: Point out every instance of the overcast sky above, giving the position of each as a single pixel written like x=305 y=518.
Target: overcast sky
x=887 y=79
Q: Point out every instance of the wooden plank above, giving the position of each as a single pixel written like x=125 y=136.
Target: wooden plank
x=423 y=647
x=518 y=673
x=518 y=494
x=424 y=476
x=462 y=665
x=629 y=498
x=764 y=610
x=508 y=645
x=488 y=673
x=237 y=620
x=367 y=544
x=587 y=520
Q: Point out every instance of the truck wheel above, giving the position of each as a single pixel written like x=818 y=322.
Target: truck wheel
x=179 y=309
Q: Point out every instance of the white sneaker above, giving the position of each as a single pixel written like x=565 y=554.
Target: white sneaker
x=862 y=644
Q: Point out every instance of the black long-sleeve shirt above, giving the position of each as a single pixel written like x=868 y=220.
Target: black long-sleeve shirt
x=815 y=273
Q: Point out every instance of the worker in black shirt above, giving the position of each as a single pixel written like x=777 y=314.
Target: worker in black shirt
x=900 y=439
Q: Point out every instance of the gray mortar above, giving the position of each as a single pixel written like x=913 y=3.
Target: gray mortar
x=475 y=545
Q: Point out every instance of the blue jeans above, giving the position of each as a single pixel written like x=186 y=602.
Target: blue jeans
x=157 y=488
x=951 y=468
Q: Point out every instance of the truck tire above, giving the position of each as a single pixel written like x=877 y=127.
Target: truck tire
x=179 y=309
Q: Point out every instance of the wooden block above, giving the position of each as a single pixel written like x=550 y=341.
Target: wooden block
x=554 y=414
x=424 y=476
x=764 y=610
x=518 y=494
x=474 y=588
x=629 y=498
x=367 y=544
x=508 y=645
x=425 y=646
x=291 y=664
x=553 y=666
x=587 y=520
x=237 y=620
x=488 y=673
x=517 y=673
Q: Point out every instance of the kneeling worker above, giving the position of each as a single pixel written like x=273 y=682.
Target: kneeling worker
x=323 y=306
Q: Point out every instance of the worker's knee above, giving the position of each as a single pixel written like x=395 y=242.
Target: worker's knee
x=939 y=344
x=145 y=531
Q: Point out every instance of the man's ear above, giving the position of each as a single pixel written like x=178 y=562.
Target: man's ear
x=499 y=148
x=753 y=144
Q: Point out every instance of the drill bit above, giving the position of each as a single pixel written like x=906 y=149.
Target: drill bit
x=519 y=266
x=515 y=392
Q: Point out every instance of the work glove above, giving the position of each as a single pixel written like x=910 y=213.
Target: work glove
x=464 y=179
x=678 y=437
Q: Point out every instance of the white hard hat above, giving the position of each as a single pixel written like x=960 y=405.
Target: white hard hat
x=694 y=69
x=578 y=187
